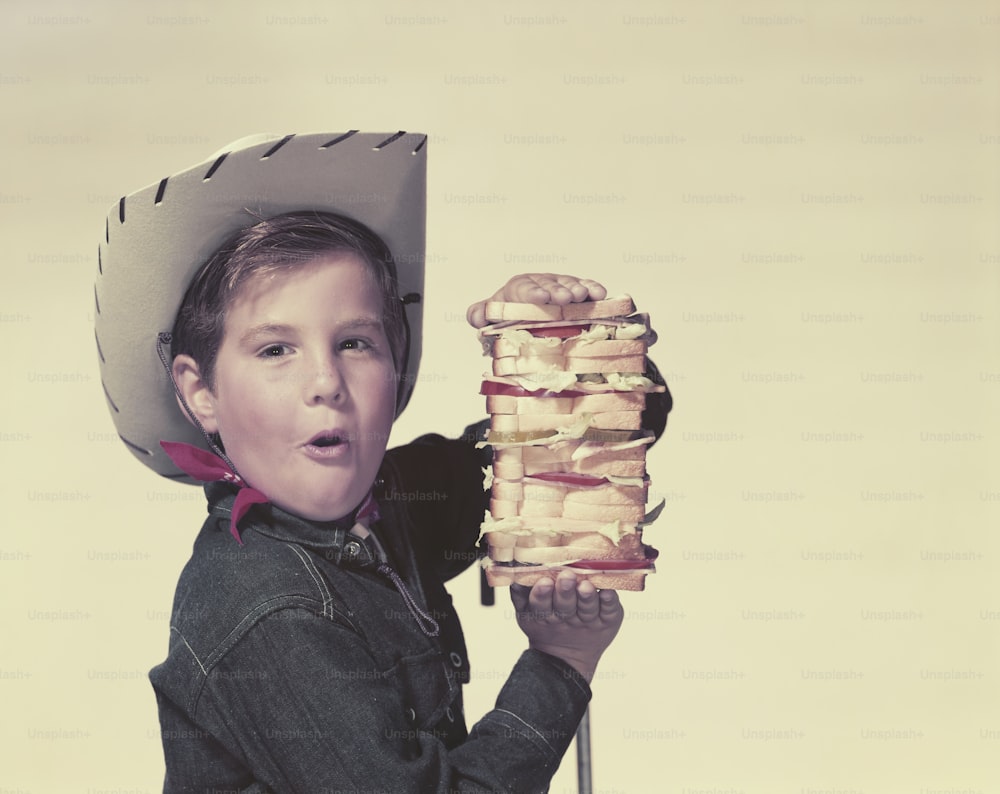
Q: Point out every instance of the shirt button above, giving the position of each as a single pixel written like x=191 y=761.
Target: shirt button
x=352 y=549
x=456 y=660
x=449 y=715
x=411 y=715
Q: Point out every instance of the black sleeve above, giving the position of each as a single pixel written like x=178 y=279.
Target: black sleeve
x=440 y=481
x=658 y=404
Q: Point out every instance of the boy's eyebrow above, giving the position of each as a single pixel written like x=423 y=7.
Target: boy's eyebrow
x=251 y=335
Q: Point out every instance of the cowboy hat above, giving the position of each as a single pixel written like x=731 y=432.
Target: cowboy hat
x=156 y=239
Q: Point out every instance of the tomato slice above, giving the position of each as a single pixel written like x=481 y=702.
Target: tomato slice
x=568 y=477
x=561 y=331
x=611 y=565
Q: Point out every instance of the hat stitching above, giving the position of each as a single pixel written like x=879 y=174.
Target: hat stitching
x=121 y=209
x=97 y=303
x=110 y=401
x=277 y=146
x=215 y=167
x=161 y=190
x=338 y=139
x=389 y=140
x=135 y=446
x=100 y=266
x=420 y=145
x=100 y=352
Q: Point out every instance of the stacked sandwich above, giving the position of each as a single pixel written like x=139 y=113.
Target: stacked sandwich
x=569 y=484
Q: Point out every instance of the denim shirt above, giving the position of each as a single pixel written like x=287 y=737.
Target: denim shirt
x=294 y=666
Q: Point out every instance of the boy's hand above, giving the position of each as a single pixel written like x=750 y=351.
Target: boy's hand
x=570 y=620
x=539 y=288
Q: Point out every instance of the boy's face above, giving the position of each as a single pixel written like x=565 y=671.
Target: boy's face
x=304 y=393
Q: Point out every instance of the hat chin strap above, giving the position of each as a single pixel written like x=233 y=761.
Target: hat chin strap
x=165 y=338
x=406 y=300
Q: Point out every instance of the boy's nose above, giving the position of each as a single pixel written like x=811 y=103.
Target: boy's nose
x=327 y=383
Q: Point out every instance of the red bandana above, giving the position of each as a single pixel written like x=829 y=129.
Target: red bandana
x=208 y=467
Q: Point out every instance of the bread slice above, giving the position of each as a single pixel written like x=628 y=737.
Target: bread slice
x=634 y=326
x=499 y=311
x=529 y=365
x=544 y=458
x=527 y=575
x=515 y=470
x=544 y=491
x=571 y=348
x=607 y=420
x=630 y=512
x=589 y=403
x=567 y=451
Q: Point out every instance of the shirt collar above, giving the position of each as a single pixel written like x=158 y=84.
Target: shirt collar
x=230 y=495
x=331 y=539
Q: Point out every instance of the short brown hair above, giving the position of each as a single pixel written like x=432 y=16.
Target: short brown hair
x=271 y=245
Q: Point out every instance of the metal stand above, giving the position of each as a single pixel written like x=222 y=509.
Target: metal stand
x=583 y=768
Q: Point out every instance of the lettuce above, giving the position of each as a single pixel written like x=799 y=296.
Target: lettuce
x=629 y=381
x=630 y=331
x=614 y=532
x=653 y=514
x=512 y=525
x=636 y=481
x=596 y=334
x=553 y=379
x=528 y=345
x=588 y=448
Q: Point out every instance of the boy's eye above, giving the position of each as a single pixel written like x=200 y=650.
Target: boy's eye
x=273 y=351
x=355 y=344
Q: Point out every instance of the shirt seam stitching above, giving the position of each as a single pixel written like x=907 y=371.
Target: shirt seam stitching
x=317 y=579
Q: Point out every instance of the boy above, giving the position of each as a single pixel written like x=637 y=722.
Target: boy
x=313 y=644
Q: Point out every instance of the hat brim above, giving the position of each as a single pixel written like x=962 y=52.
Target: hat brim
x=156 y=239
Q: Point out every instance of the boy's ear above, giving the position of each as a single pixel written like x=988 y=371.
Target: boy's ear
x=195 y=391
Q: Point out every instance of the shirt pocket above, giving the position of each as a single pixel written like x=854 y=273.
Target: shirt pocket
x=430 y=691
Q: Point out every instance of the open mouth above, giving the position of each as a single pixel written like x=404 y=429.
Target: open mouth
x=327 y=440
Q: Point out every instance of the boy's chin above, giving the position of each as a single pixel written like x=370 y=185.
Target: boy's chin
x=318 y=511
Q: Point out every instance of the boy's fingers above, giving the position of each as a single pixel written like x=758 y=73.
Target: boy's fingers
x=579 y=292
x=539 y=288
x=519 y=596
x=588 y=605
x=555 y=292
x=564 y=601
x=610 y=605
x=595 y=290
x=540 y=599
x=476 y=314
x=528 y=288
x=582 y=288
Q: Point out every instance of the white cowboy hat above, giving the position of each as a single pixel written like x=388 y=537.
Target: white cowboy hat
x=156 y=239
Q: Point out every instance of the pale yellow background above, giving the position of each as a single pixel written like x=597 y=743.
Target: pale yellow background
x=804 y=197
